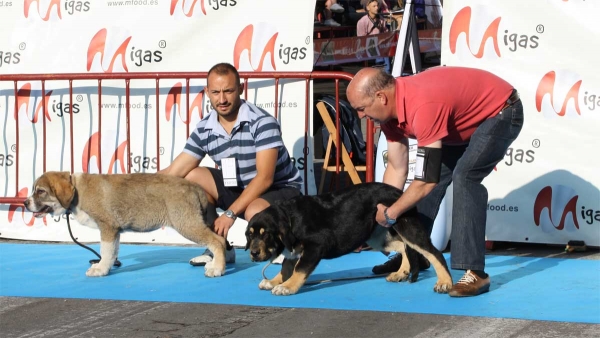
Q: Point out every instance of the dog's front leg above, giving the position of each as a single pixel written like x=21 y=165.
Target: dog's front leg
x=305 y=266
x=109 y=248
x=287 y=268
x=404 y=272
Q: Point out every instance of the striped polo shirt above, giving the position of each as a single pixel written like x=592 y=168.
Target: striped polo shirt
x=254 y=130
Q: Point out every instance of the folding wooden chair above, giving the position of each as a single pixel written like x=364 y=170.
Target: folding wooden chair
x=346 y=164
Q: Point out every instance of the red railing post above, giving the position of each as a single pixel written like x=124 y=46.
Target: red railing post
x=99 y=127
x=71 y=126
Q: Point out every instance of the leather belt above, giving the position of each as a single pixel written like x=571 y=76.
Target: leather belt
x=514 y=97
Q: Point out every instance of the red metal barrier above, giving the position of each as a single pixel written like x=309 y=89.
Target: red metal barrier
x=127 y=77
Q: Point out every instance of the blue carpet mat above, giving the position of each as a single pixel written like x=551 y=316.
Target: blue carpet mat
x=522 y=287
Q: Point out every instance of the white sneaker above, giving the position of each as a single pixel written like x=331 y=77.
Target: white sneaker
x=331 y=22
x=207 y=257
x=278 y=260
x=336 y=8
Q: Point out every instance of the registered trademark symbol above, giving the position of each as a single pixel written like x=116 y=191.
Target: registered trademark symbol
x=13 y=148
x=307 y=41
x=162 y=44
x=161 y=150
x=79 y=98
x=22 y=46
x=536 y=143
x=539 y=29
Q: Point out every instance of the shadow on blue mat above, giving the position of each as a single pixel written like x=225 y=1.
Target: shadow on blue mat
x=522 y=287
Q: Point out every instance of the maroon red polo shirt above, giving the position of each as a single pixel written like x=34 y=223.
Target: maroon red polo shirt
x=445 y=103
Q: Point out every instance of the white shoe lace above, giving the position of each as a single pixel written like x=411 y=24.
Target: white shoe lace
x=468 y=278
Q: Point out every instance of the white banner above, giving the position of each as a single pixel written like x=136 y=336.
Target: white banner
x=102 y=36
x=546 y=190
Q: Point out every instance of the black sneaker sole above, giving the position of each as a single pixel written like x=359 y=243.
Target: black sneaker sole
x=392 y=266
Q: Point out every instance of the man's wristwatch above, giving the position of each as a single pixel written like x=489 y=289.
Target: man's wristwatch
x=230 y=214
x=388 y=220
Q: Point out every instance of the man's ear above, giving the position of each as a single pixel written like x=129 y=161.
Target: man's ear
x=382 y=97
x=241 y=88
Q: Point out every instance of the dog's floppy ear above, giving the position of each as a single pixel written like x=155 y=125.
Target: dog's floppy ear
x=60 y=183
x=247 y=238
x=285 y=229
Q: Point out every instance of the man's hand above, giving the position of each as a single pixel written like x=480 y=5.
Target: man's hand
x=380 y=217
x=222 y=225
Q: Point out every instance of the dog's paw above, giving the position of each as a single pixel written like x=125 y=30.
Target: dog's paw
x=281 y=290
x=442 y=287
x=210 y=270
x=265 y=285
x=398 y=276
x=96 y=271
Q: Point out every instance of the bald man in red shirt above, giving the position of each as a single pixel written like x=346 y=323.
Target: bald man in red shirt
x=464 y=120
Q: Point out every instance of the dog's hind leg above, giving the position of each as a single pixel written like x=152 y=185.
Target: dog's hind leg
x=287 y=269
x=403 y=272
x=203 y=235
x=109 y=248
x=216 y=267
x=413 y=258
x=414 y=236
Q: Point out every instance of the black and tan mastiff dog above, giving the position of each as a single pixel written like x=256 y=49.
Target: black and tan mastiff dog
x=306 y=229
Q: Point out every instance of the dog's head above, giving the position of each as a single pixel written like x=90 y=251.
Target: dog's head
x=52 y=194
x=268 y=234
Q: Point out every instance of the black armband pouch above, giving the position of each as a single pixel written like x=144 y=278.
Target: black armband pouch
x=428 y=165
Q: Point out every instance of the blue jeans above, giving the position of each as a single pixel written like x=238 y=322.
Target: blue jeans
x=466 y=166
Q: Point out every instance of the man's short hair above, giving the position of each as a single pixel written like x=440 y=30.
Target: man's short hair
x=365 y=3
x=224 y=68
x=380 y=81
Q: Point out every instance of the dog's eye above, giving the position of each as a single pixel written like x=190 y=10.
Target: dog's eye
x=40 y=191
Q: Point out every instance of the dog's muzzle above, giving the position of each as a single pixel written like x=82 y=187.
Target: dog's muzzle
x=46 y=209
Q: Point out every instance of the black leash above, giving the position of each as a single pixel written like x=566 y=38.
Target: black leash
x=92 y=261
x=322 y=281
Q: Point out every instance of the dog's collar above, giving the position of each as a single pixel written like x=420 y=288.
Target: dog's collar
x=75 y=199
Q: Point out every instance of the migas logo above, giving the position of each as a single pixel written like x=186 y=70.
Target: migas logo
x=565 y=87
x=555 y=209
x=108 y=61
x=91 y=160
x=520 y=156
x=91 y=151
x=13 y=208
x=32 y=105
x=173 y=104
x=250 y=46
x=55 y=7
x=11 y=56
x=187 y=7
x=462 y=26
